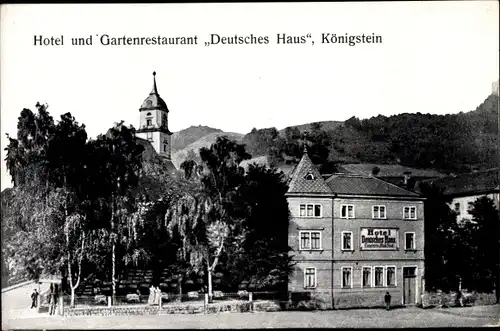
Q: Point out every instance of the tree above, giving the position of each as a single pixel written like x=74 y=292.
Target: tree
x=441 y=235
x=265 y=259
x=118 y=163
x=221 y=182
x=485 y=230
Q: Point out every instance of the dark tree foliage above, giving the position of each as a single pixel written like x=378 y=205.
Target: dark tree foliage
x=440 y=228
x=484 y=234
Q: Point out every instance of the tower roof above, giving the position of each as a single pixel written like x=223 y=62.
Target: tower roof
x=154 y=101
x=306 y=178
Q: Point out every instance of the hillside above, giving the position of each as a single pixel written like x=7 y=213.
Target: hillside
x=325 y=125
x=179 y=156
x=448 y=143
x=188 y=136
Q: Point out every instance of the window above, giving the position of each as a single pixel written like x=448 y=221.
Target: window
x=410 y=213
x=347 y=241
x=409 y=240
x=367 y=277
x=310 y=210
x=378 y=212
x=149 y=135
x=310 y=278
x=457 y=208
x=315 y=240
x=310 y=240
x=390 y=276
x=164 y=147
x=346 y=211
x=346 y=277
x=379 y=276
x=149 y=122
x=309 y=176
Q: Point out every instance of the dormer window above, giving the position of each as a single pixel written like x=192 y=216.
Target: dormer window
x=309 y=176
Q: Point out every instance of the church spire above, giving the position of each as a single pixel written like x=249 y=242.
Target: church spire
x=305 y=142
x=154 y=90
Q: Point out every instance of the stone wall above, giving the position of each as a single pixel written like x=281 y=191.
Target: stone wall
x=441 y=299
x=235 y=306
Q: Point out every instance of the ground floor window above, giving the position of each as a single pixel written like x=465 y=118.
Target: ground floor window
x=346 y=277
x=379 y=276
x=367 y=277
x=391 y=276
x=310 y=278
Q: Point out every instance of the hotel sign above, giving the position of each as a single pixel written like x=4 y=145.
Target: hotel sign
x=379 y=239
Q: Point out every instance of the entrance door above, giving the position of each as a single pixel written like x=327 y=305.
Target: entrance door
x=409 y=285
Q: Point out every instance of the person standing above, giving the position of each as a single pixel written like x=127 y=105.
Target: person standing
x=52 y=300
x=34 y=297
x=151 y=296
x=157 y=296
x=387 y=299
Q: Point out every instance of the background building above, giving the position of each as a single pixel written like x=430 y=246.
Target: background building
x=464 y=189
x=354 y=238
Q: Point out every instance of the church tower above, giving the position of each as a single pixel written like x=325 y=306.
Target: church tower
x=153 y=122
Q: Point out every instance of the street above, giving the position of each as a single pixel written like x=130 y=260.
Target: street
x=361 y=318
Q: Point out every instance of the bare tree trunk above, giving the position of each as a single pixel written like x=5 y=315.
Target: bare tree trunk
x=211 y=269
x=180 y=287
x=209 y=285
x=70 y=275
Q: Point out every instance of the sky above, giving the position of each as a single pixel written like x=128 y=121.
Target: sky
x=435 y=57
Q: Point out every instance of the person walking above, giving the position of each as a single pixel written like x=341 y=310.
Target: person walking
x=387 y=299
x=52 y=300
x=34 y=297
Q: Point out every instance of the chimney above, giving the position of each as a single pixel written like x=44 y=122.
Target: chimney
x=406 y=175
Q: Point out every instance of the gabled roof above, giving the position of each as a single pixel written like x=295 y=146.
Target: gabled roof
x=306 y=178
x=470 y=183
x=388 y=170
x=350 y=184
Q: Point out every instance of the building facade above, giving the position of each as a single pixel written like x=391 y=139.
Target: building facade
x=354 y=238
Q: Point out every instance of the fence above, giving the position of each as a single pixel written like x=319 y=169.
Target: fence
x=83 y=301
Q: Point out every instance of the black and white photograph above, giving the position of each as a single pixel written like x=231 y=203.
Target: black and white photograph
x=250 y=165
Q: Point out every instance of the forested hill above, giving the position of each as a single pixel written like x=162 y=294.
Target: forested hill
x=452 y=142
x=188 y=136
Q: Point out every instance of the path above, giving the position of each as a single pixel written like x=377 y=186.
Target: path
x=363 y=318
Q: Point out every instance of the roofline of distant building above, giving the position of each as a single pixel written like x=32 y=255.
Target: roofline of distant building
x=468 y=193
x=350 y=196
